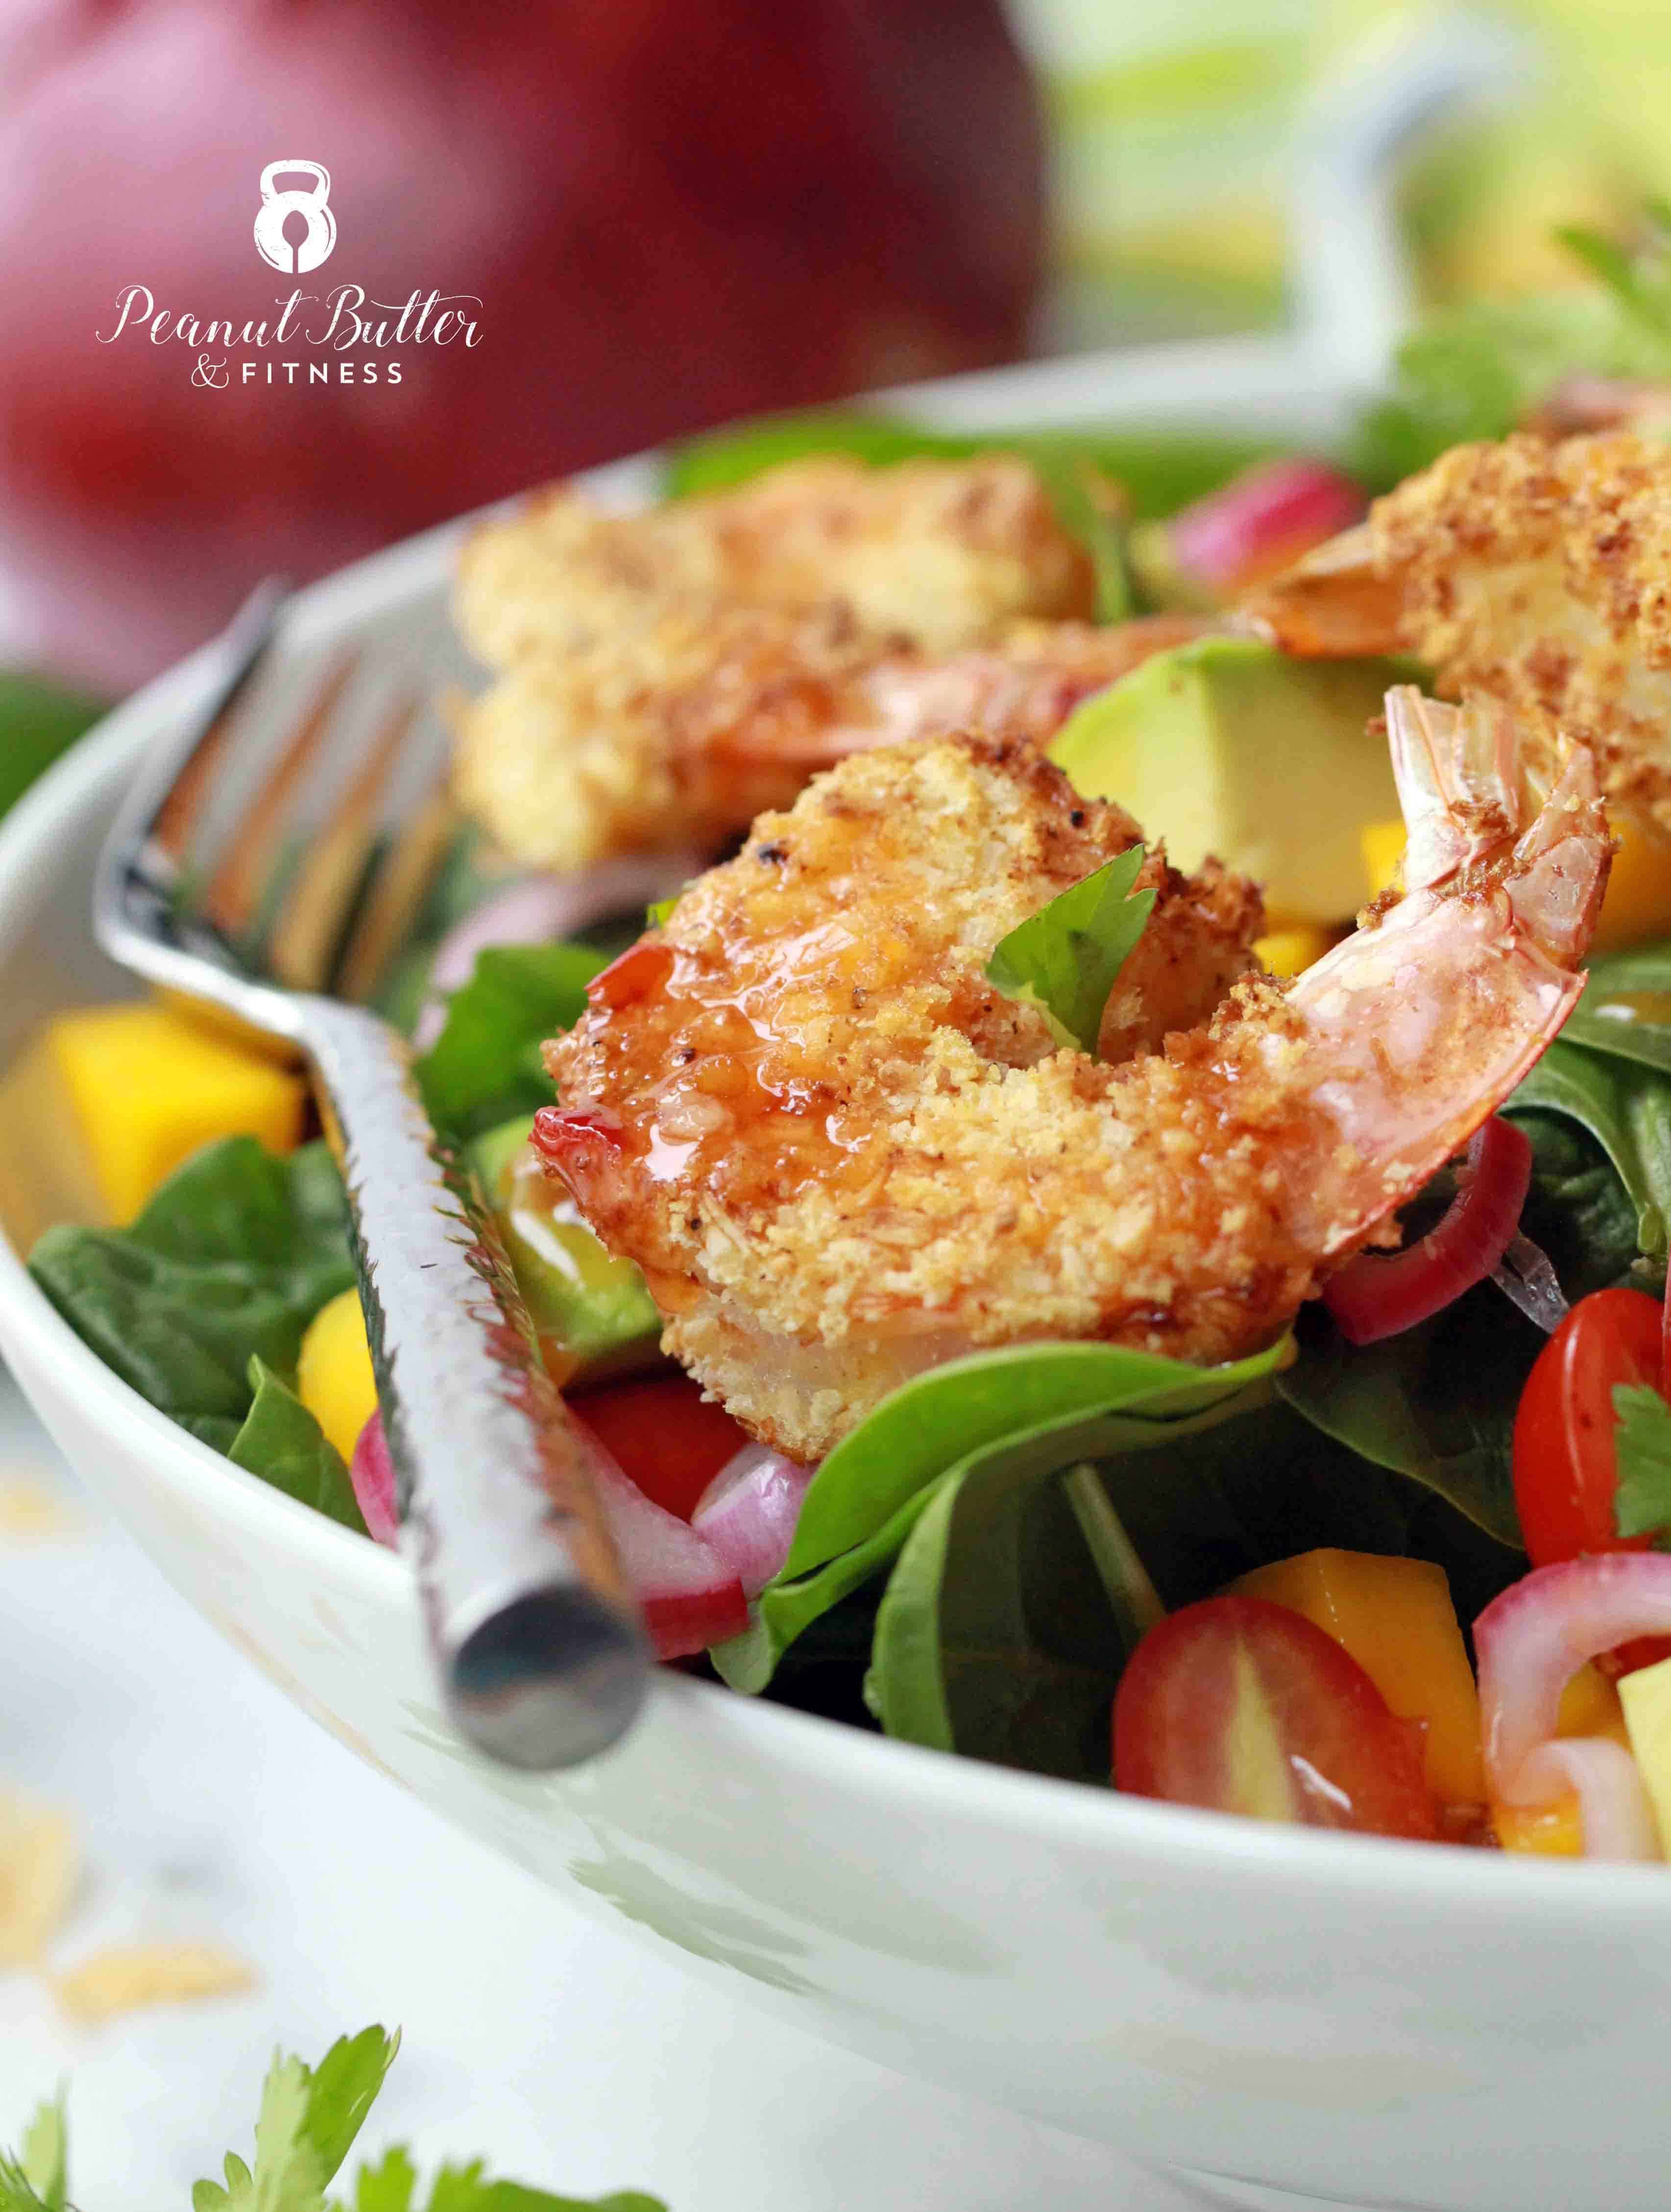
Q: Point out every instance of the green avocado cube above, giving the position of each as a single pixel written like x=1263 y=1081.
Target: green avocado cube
x=594 y=1316
x=1230 y=747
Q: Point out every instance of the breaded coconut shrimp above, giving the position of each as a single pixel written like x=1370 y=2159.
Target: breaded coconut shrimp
x=678 y=732
x=938 y=554
x=840 y=1156
x=1540 y=573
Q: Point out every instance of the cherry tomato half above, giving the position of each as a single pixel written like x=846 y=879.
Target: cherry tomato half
x=1566 y=1465
x=665 y=1434
x=1247 y=1707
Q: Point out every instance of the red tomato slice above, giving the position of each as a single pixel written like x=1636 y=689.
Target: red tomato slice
x=665 y=1434
x=1246 y=1707
x=1565 y=1465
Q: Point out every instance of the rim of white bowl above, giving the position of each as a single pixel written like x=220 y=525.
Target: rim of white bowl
x=1473 y=1883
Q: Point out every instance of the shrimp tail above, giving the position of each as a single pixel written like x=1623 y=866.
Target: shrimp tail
x=1427 y=1019
x=1333 y=604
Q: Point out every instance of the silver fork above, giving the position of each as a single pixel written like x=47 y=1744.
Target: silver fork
x=541 y=1658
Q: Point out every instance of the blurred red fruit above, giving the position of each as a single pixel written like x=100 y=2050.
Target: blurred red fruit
x=672 y=215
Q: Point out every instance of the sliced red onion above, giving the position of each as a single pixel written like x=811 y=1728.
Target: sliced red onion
x=1526 y=1274
x=1532 y=1639
x=372 y=1472
x=1267 y=515
x=1617 y=1819
x=689 y=1593
x=747 y=1512
x=1378 y=1295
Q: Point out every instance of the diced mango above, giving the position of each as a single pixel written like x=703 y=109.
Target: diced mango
x=334 y=1378
x=146 y=1087
x=1383 y=844
x=1396 y=1619
x=1290 y=952
x=1638 y=905
x=1590 y=1705
x=1645 y=1697
x=1555 y=1832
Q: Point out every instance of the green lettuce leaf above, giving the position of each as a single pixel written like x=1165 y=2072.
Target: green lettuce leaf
x=281 y=1442
x=1064 y=959
x=1642 y=1503
x=229 y=1262
x=485 y=1067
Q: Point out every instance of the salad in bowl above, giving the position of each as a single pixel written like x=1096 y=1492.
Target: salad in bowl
x=1111 y=1216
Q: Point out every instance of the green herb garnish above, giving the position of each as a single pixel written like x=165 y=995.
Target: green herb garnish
x=1065 y=958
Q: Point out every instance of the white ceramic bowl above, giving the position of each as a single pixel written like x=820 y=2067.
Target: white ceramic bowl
x=1390 y=2024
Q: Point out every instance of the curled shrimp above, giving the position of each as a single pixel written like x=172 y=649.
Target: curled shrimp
x=663 y=678
x=1538 y=571
x=840 y=1156
x=677 y=733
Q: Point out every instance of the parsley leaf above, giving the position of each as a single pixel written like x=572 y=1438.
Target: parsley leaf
x=309 y=2120
x=309 y=2116
x=1065 y=958
x=46 y=2155
x=1642 y=1503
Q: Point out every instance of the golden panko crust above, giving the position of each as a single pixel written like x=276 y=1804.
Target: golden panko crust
x=664 y=677
x=1534 y=572
x=841 y=1155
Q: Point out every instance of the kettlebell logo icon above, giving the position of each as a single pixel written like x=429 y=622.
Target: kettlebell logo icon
x=279 y=208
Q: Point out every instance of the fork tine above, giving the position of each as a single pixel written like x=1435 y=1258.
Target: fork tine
x=243 y=877
x=319 y=904
x=397 y=892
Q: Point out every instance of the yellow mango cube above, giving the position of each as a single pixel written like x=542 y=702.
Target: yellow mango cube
x=1383 y=845
x=1590 y=1705
x=145 y=1087
x=1396 y=1619
x=1288 y=952
x=1637 y=904
x=1553 y=1832
x=334 y=1378
x=1645 y=1697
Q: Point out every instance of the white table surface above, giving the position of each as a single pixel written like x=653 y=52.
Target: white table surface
x=210 y=1808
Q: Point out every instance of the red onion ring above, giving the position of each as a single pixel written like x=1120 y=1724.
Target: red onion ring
x=1378 y=1295
x=748 y=1513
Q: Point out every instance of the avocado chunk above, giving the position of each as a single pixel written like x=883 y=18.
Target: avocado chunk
x=594 y=1316
x=1227 y=746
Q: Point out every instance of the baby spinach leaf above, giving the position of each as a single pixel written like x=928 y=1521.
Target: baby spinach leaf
x=785 y=1610
x=1435 y=1403
x=931 y=1422
x=1642 y=1505
x=1577 y=1208
x=37 y=723
x=230 y=1261
x=998 y=1637
x=281 y=1442
x=485 y=1067
x=1064 y=959
x=1626 y=1108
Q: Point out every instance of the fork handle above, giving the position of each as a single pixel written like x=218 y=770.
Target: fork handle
x=541 y=1657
